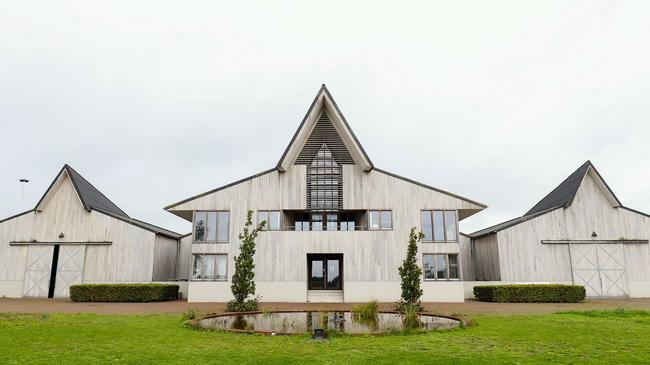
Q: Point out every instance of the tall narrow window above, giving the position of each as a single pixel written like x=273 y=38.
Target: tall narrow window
x=199 y=226
x=324 y=182
x=211 y=226
x=316 y=222
x=450 y=225
x=223 y=223
x=438 y=226
x=374 y=219
x=427 y=227
x=441 y=266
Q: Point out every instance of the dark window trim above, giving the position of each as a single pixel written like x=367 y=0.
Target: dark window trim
x=444 y=225
x=392 y=220
x=447 y=254
x=267 y=227
x=216 y=227
x=215 y=266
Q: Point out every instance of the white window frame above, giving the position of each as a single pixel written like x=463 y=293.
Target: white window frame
x=379 y=212
x=444 y=225
x=216 y=227
x=195 y=255
x=435 y=269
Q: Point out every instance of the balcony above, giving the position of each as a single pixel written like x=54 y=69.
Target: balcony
x=306 y=221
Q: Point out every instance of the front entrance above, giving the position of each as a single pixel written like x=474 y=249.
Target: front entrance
x=325 y=271
x=600 y=268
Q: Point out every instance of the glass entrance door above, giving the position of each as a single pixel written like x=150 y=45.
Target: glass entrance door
x=325 y=271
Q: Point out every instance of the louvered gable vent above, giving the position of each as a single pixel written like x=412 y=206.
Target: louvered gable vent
x=324 y=133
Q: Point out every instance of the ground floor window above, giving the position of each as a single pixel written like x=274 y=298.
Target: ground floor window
x=440 y=266
x=210 y=267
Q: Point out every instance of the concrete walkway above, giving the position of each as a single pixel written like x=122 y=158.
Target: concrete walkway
x=26 y=305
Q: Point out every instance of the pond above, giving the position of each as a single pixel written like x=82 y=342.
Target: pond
x=308 y=322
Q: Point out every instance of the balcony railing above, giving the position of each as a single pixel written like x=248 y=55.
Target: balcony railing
x=306 y=227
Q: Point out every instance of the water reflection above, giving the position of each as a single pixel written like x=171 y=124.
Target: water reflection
x=307 y=322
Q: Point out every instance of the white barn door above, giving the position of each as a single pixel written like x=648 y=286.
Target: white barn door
x=600 y=268
x=37 y=273
x=70 y=269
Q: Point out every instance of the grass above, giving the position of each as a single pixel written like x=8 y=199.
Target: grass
x=605 y=337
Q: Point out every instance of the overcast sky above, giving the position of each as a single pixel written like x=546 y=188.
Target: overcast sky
x=155 y=102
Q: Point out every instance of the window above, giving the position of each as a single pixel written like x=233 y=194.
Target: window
x=380 y=219
x=211 y=226
x=316 y=222
x=440 y=266
x=439 y=225
x=332 y=222
x=210 y=267
x=272 y=218
x=450 y=225
x=427 y=228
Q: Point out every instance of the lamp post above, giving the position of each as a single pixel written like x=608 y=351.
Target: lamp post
x=22 y=193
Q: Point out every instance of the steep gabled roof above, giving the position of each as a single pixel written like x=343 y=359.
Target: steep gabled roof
x=560 y=197
x=90 y=197
x=93 y=199
x=564 y=193
x=323 y=102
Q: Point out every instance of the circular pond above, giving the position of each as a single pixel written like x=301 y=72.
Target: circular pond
x=292 y=322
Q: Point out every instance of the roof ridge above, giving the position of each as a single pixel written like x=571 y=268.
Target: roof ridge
x=74 y=174
x=563 y=193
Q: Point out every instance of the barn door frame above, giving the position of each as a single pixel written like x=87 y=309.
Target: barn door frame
x=597 y=267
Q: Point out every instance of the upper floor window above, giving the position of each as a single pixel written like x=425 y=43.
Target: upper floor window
x=211 y=226
x=440 y=266
x=210 y=267
x=380 y=219
x=439 y=225
x=272 y=218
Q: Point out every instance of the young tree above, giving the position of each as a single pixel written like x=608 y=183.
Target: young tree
x=243 y=284
x=411 y=273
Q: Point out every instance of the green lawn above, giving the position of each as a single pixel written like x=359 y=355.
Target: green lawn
x=592 y=337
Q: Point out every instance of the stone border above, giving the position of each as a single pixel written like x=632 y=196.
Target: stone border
x=195 y=322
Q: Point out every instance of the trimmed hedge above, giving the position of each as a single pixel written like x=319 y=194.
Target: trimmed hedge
x=123 y=292
x=531 y=293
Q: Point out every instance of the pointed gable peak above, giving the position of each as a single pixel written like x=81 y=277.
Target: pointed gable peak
x=88 y=195
x=564 y=193
x=324 y=124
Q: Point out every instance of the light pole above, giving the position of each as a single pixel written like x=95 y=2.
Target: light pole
x=22 y=194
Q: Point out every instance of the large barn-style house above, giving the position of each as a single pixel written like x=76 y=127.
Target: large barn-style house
x=337 y=231
x=338 y=226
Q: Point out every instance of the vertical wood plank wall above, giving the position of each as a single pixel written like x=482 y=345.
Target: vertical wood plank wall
x=130 y=257
x=522 y=256
x=369 y=256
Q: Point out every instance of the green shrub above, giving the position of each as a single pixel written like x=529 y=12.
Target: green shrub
x=366 y=313
x=249 y=305
x=190 y=314
x=410 y=317
x=531 y=293
x=123 y=292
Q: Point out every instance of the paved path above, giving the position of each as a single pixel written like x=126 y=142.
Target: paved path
x=469 y=307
